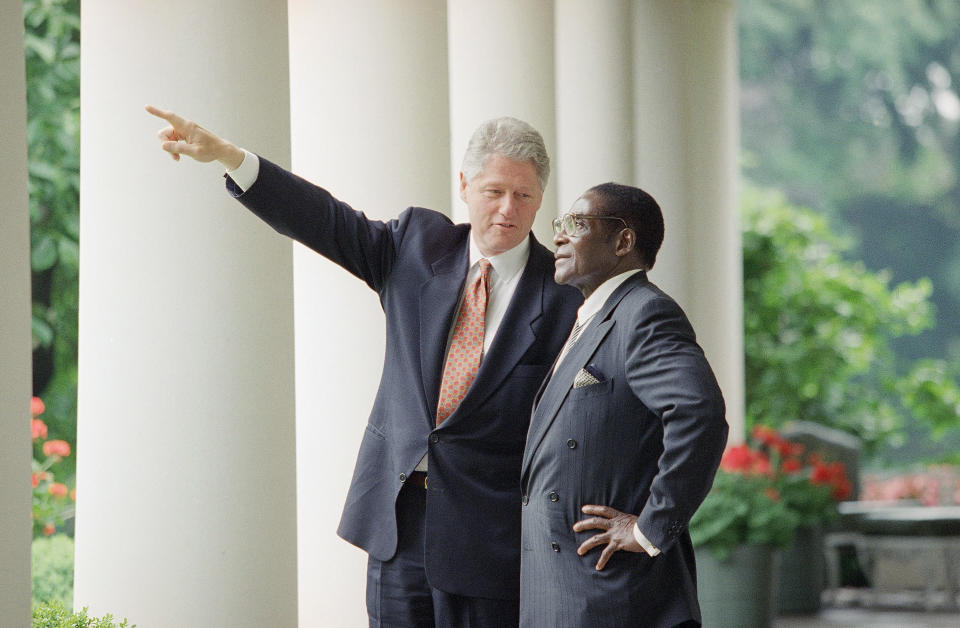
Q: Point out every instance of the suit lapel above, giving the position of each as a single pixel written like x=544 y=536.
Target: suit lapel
x=438 y=303
x=558 y=385
x=555 y=389
x=515 y=334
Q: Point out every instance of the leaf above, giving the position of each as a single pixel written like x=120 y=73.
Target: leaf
x=44 y=253
x=42 y=332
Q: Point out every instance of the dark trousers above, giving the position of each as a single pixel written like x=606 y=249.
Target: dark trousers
x=399 y=596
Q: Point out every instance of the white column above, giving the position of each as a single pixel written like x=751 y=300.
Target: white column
x=686 y=155
x=370 y=123
x=186 y=512
x=501 y=64
x=15 y=526
x=594 y=96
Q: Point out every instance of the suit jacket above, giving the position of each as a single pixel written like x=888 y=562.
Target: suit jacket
x=418 y=264
x=646 y=440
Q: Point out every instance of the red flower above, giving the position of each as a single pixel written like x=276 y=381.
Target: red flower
x=56 y=448
x=737 y=459
x=791 y=465
x=772 y=494
x=49 y=529
x=790 y=448
x=36 y=406
x=842 y=490
x=760 y=465
x=38 y=429
x=36 y=478
x=766 y=435
x=57 y=489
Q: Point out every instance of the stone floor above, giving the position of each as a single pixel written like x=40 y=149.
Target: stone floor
x=871 y=618
x=886 y=611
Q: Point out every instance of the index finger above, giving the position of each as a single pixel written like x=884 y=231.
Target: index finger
x=603 y=511
x=169 y=116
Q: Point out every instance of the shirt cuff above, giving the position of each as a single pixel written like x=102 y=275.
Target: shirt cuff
x=245 y=175
x=647 y=546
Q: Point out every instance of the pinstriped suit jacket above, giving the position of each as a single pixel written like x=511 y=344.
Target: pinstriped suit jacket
x=646 y=440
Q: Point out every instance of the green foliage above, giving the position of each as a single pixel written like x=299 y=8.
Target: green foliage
x=851 y=108
x=818 y=327
x=930 y=391
x=55 y=615
x=52 y=564
x=52 y=46
x=739 y=510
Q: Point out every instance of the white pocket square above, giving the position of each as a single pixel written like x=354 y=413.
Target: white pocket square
x=587 y=376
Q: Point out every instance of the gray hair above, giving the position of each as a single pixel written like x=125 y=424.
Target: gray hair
x=512 y=138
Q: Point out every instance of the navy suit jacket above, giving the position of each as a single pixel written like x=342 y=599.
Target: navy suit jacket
x=646 y=440
x=418 y=264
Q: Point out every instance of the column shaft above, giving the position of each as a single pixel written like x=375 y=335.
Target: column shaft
x=686 y=155
x=501 y=64
x=15 y=526
x=594 y=96
x=186 y=512
x=370 y=123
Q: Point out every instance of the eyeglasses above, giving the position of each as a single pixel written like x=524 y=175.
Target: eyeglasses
x=573 y=225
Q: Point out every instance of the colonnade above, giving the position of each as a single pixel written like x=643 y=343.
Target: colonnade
x=201 y=501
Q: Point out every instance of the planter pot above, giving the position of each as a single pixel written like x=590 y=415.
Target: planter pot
x=737 y=592
x=801 y=574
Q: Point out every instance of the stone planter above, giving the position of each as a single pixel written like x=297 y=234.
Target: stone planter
x=737 y=591
x=801 y=572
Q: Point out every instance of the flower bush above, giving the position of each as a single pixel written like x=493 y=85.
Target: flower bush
x=937 y=485
x=763 y=491
x=53 y=502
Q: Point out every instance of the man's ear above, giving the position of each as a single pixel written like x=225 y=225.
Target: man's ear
x=626 y=242
x=463 y=188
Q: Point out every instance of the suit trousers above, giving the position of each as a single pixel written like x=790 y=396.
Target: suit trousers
x=399 y=595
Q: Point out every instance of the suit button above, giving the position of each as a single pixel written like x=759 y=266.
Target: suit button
x=555 y=546
x=572 y=444
x=553 y=496
x=525 y=500
x=434 y=438
x=403 y=477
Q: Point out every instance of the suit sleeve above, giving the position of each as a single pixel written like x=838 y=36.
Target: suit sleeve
x=668 y=372
x=312 y=216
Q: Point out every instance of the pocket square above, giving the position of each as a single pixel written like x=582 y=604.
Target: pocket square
x=587 y=376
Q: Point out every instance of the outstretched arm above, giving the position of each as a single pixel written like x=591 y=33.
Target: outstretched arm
x=186 y=137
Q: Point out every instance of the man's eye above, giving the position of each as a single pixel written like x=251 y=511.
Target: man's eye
x=579 y=224
x=492 y=192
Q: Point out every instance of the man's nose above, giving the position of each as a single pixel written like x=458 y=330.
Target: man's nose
x=508 y=205
x=560 y=238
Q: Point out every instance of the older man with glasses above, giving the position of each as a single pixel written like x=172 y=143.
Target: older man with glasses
x=626 y=435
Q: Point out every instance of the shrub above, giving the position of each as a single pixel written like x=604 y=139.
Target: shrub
x=53 y=569
x=56 y=615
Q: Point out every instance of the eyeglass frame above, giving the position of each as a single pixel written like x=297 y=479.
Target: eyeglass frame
x=558 y=227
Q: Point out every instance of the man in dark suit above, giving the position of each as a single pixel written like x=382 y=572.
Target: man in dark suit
x=474 y=321
x=626 y=435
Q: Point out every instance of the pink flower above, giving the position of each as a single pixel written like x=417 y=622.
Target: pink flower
x=36 y=406
x=38 y=429
x=56 y=448
x=35 y=479
x=57 y=489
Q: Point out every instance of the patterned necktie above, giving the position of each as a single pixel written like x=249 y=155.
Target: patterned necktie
x=466 y=346
x=574 y=336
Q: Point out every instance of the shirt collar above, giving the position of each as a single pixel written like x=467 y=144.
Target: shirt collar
x=599 y=296
x=506 y=264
